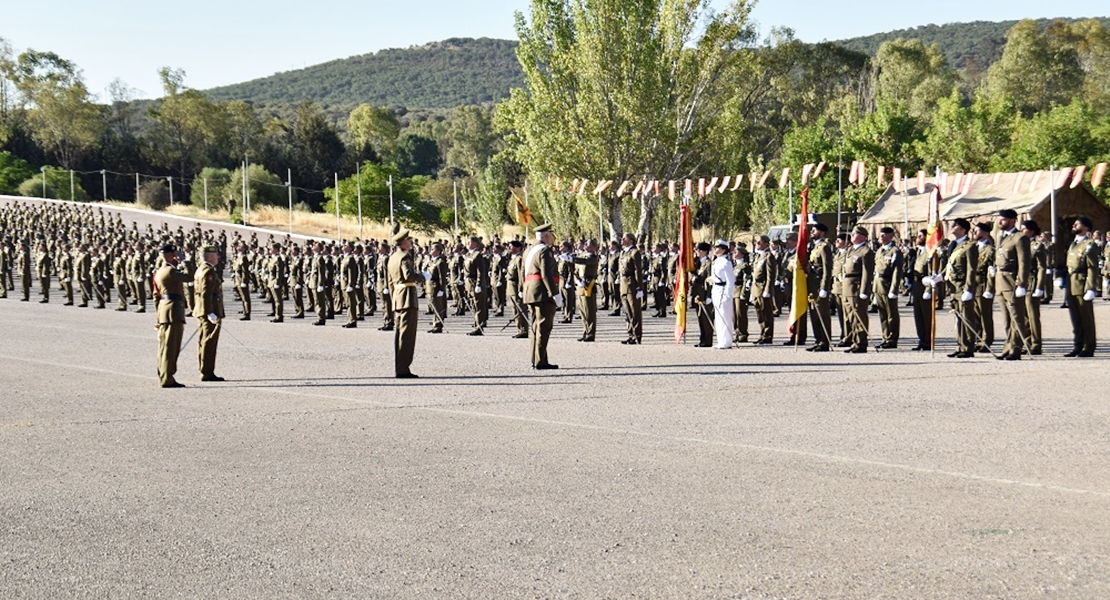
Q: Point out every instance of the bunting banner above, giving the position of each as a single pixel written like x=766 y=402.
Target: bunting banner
x=682 y=271
x=623 y=188
x=737 y=182
x=882 y=176
x=852 y=177
x=712 y=185
x=799 y=304
x=763 y=180
x=898 y=183
x=785 y=177
x=701 y=187
x=861 y=174
x=1063 y=178
x=636 y=190
x=921 y=182
x=806 y=170
x=820 y=169
x=670 y=189
x=1098 y=174
x=688 y=191
x=724 y=184
x=1077 y=178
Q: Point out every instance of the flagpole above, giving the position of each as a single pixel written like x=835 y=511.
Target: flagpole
x=1052 y=186
x=839 y=193
x=525 y=206
x=600 y=221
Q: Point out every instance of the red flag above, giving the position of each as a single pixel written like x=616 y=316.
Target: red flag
x=682 y=271
x=936 y=226
x=523 y=215
x=800 y=297
x=1099 y=173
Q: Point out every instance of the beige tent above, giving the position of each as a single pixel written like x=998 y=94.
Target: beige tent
x=987 y=195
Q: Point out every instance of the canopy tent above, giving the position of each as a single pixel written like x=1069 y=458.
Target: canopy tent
x=987 y=195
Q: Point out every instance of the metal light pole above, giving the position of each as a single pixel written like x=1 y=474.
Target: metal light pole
x=338 y=236
x=455 y=193
x=839 y=193
x=104 y=184
x=43 y=169
x=71 y=198
x=390 y=183
x=289 y=185
x=205 y=194
x=170 y=179
x=136 y=188
x=358 y=196
x=1052 y=186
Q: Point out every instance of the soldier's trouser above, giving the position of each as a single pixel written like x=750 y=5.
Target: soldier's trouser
x=1033 y=313
x=86 y=292
x=387 y=314
x=326 y=300
x=279 y=303
x=498 y=297
x=67 y=291
x=568 y=303
x=169 y=346
x=543 y=320
x=822 y=321
x=1015 y=321
x=481 y=309
x=841 y=317
x=984 y=319
x=633 y=316
x=352 y=306
x=922 y=316
x=312 y=303
x=764 y=314
x=298 y=299
x=1082 y=315
x=888 y=315
x=740 y=316
x=518 y=315
x=121 y=293
x=404 y=340
x=587 y=311
x=857 y=320
x=140 y=294
x=438 y=302
x=659 y=297
x=245 y=297
x=26 y=281
x=207 y=339
x=372 y=301
x=965 y=334
x=44 y=287
x=705 y=323
x=322 y=306
x=360 y=296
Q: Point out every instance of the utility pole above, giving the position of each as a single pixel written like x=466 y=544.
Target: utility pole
x=337 y=225
x=205 y=194
x=390 y=182
x=71 y=198
x=358 y=196
x=104 y=184
x=289 y=185
x=136 y=188
x=455 y=192
x=170 y=179
x=43 y=169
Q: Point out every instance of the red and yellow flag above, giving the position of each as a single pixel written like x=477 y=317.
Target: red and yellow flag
x=799 y=304
x=682 y=271
x=523 y=215
x=935 y=234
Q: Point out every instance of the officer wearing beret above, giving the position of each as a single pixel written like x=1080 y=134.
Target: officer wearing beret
x=888 y=276
x=1012 y=262
x=859 y=273
x=819 y=280
x=403 y=278
x=1080 y=288
x=542 y=293
x=170 y=283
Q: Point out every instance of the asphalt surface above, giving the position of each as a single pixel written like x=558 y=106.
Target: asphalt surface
x=657 y=471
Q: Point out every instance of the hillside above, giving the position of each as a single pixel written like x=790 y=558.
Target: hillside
x=437 y=75
x=968 y=46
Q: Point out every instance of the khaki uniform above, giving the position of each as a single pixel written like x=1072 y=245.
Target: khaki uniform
x=1012 y=262
x=402 y=281
x=386 y=296
x=277 y=277
x=514 y=292
x=436 y=290
x=962 y=275
x=741 y=297
x=630 y=268
x=477 y=286
x=586 y=280
x=699 y=295
x=242 y=280
x=888 y=274
x=349 y=282
x=541 y=285
x=819 y=278
x=764 y=275
x=170 y=284
x=208 y=299
x=859 y=273
x=922 y=308
x=1082 y=276
x=984 y=307
x=43 y=265
x=1038 y=281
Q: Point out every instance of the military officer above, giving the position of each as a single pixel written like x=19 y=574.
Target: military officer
x=962 y=277
x=476 y=268
x=699 y=294
x=819 y=280
x=1038 y=280
x=741 y=293
x=43 y=265
x=437 y=279
x=985 y=273
x=612 y=268
x=169 y=283
x=1012 y=263
x=565 y=262
x=722 y=281
x=764 y=275
x=243 y=280
x=920 y=293
x=514 y=287
x=586 y=279
x=208 y=308
x=859 y=272
x=297 y=279
x=388 y=319
x=317 y=281
x=348 y=273
x=1080 y=289
x=630 y=268
x=888 y=275
x=542 y=293
x=402 y=281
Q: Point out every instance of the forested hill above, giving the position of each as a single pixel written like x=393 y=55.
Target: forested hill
x=437 y=75
x=971 y=46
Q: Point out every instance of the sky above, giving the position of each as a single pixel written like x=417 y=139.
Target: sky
x=220 y=42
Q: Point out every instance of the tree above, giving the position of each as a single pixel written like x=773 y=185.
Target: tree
x=417 y=155
x=13 y=171
x=61 y=114
x=374 y=127
x=1032 y=74
x=409 y=209
x=57 y=186
x=912 y=74
x=265 y=188
x=216 y=182
x=1063 y=136
x=245 y=131
x=967 y=139
x=622 y=89
x=471 y=139
x=188 y=124
x=489 y=197
x=315 y=150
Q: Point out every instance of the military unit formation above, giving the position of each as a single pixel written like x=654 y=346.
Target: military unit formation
x=95 y=259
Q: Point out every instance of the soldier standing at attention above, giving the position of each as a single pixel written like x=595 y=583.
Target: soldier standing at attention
x=984 y=303
x=170 y=283
x=383 y=287
x=296 y=274
x=859 y=271
x=741 y=293
x=631 y=270
x=613 y=269
x=764 y=275
x=477 y=283
x=888 y=275
x=349 y=281
x=1037 y=282
x=402 y=281
x=438 y=279
x=316 y=280
x=819 y=280
x=541 y=294
x=43 y=264
x=84 y=269
x=699 y=294
x=1012 y=263
x=514 y=287
x=585 y=277
x=242 y=280
x=961 y=273
x=208 y=306
x=1079 y=289
x=24 y=260
x=921 y=295
x=277 y=279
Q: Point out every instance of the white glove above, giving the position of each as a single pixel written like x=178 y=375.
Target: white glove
x=926 y=295
x=640 y=295
x=966 y=296
x=892 y=295
x=319 y=288
x=778 y=282
x=439 y=294
x=66 y=280
x=991 y=271
x=298 y=286
x=385 y=292
x=1019 y=292
x=988 y=295
x=766 y=294
x=558 y=300
x=350 y=289
x=928 y=282
x=1038 y=293
x=477 y=289
x=569 y=285
x=1060 y=282
x=863 y=296
x=520 y=295
x=212 y=318
x=426 y=274
x=823 y=294
x=1090 y=295
x=243 y=285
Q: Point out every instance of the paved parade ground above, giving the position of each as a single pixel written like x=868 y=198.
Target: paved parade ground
x=655 y=471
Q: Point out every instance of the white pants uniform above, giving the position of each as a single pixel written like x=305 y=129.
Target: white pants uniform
x=723 y=280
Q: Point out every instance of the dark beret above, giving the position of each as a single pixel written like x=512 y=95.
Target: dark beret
x=887 y=230
x=704 y=247
x=962 y=223
x=985 y=226
x=169 y=249
x=821 y=227
x=1007 y=213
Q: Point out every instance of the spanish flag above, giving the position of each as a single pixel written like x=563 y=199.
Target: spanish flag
x=799 y=305
x=682 y=271
x=935 y=234
x=523 y=215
